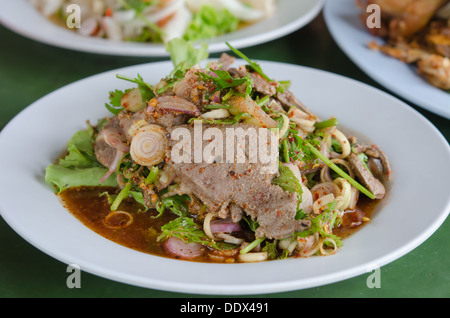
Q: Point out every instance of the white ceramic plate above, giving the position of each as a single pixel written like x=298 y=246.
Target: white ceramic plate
x=342 y=18
x=22 y=18
x=38 y=134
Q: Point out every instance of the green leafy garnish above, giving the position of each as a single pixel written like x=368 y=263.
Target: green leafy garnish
x=287 y=180
x=232 y=120
x=145 y=88
x=115 y=106
x=79 y=167
x=364 y=159
x=185 y=229
x=63 y=178
x=252 y=245
x=300 y=214
x=223 y=80
x=115 y=97
x=121 y=196
x=271 y=248
x=153 y=174
x=80 y=150
x=339 y=171
x=252 y=224
x=209 y=22
x=253 y=65
x=176 y=204
x=290 y=183
x=139 y=6
x=184 y=55
x=323 y=223
x=326 y=123
x=137 y=196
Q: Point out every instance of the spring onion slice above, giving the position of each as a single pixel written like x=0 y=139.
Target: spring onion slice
x=326 y=123
x=340 y=171
x=152 y=175
x=250 y=246
x=122 y=195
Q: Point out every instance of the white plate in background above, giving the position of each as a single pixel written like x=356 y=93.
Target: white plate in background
x=349 y=32
x=23 y=18
x=398 y=225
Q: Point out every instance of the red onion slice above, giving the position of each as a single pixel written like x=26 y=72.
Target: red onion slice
x=89 y=26
x=224 y=226
x=115 y=139
x=113 y=166
x=177 y=248
x=216 y=97
x=173 y=104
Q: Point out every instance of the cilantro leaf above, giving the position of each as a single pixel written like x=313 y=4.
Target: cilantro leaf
x=114 y=105
x=327 y=218
x=185 y=229
x=223 y=79
x=287 y=180
x=176 y=204
x=145 y=88
x=253 y=65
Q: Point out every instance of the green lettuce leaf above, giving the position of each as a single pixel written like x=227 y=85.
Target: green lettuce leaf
x=80 y=149
x=209 y=22
x=184 y=55
x=79 y=167
x=63 y=178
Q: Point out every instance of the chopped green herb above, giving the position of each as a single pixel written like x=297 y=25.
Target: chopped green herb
x=145 y=88
x=326 y=123
x=287 y=180
x=252 y=245
x=115 y=105
x=327 y=217
x=152 y=175
x=185 y=229
x=252 y=224
x=176 y=204
x=253 y=65
x=339 y=171
x=223 y=79
x=121 y=196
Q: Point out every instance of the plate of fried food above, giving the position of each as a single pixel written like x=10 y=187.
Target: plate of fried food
x=403 y=45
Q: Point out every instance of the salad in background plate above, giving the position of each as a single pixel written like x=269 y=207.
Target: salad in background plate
x=156 y=21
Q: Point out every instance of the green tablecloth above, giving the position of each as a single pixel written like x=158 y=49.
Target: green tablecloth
x=30 y=70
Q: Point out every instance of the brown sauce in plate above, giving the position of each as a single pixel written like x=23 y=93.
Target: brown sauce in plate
x=92 y=209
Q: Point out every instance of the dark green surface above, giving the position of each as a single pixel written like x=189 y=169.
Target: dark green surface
x=30 y=70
